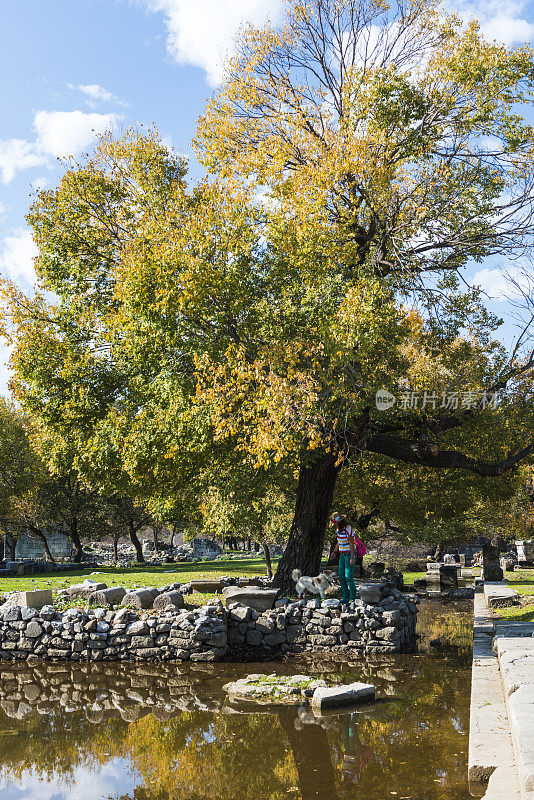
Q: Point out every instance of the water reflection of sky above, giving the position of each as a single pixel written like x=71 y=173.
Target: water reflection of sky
x=112 y=779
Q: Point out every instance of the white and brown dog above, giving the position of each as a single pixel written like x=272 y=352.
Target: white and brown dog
x=318 y=585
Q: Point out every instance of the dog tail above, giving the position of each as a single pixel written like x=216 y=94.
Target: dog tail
x=296 y=574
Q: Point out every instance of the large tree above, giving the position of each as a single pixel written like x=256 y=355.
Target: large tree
x=365 y=155
x=388 y=143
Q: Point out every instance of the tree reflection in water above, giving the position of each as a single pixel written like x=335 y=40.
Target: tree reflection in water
x=169 y=729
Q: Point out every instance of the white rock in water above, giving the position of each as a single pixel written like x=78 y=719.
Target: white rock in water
x=344 y=695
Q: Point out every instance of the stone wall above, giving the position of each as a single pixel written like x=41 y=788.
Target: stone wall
x=32 y=548
x=206 y=548
x=102 y=635
x=383 y=623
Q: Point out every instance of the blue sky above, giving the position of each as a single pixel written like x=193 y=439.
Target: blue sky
x=69 y=68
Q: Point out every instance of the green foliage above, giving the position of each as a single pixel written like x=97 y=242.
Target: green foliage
x=202 y=345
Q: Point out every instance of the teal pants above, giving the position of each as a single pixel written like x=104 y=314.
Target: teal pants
x=346 y=577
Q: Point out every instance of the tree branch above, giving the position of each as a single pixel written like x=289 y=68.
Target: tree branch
x=429 y=455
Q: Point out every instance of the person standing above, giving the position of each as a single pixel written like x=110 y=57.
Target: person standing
x=346 y=549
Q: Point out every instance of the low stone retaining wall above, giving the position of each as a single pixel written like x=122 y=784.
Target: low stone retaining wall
x=385 y=623
x=101 y=635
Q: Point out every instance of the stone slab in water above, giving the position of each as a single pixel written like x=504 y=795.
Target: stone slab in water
x=258 y=599
x=339 y=696
x=273 y=689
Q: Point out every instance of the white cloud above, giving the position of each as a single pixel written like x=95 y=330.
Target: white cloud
x=61 y=133
x=109 y=779
x=39 y=183
x=58 y=133
x=501 y=20
x=97 y=93
x=502 y=285
x=17 y=255
x=509 y=30
x=201 y=32
x=16 y=155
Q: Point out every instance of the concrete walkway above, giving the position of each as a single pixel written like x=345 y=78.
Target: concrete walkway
x=492 y=769
x=516 y=662
x=501 y=738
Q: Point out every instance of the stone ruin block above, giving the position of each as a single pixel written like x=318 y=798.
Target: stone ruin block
x=141 y=598
x=206 y=548
x=105 y=597
x=491 y=568
x=525 y=551
x=35 y=599
x=448 y=577
x=344 y=695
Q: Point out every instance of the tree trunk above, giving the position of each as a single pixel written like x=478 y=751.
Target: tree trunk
x=268 y=563
x=10 y=543
x=137 y=544
x=315 y=493
x=313 y=760
x=75 y=539
x=173 y=534
x=155 y=532
x=48 y=555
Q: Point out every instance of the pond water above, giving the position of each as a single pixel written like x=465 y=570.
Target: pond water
x=159 y=732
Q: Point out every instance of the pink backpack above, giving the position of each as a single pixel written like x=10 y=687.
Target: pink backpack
x=360 y=547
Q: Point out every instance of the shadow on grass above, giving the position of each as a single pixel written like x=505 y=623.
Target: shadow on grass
x=220 y=567
x=524 y=614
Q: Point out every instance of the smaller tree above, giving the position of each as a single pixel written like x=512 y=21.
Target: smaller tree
x=36 y=501
x=253 y=504
x=130 y=516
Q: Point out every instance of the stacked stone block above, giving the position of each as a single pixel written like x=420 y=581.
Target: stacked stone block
x=383 y=623
x=106 y=635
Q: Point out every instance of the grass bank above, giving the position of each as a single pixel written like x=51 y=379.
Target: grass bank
x=139 y=575
x=523 y=583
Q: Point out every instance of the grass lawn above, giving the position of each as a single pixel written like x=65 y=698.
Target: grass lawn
x=523 y=583
x=139 y=575
x=410 y=577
